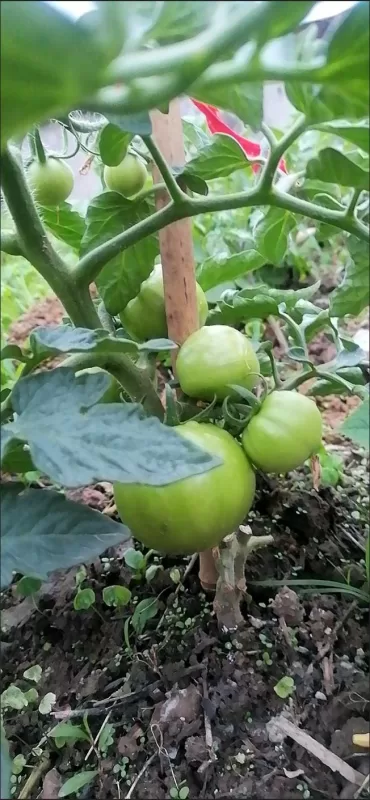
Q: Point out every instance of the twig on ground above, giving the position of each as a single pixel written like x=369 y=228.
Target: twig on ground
x=93 y=746
x=207 y=722
x=326 y=757
x=35 y=776
x=338 y=625
x=139 y=776
x=327 y=668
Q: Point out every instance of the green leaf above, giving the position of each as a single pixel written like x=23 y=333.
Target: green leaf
x=116 y=596
x=46 y=50
x=134 y=559
x=28 y=586
x=144 y=611
x=16 y=458
x=57 y=417
x=352 y=295
x=33 y=673
x=322 y=387
x=136 y=124
x=357 y=134
x=331 y=166
x=356 y=426
x=65 y=224
x=84 y=599
x=74 y=784
x=284 y=687
x=257 y=302
x=219 y=159
x=243 y=99
x=6 y=765
x=113 y=144
x=13 y=697
x=271 y=235
x=68 y=731
x=54 y=339
x=349 y=46
x=214 y=271
x=119 y=281
x=42 y=531
x=12 y=352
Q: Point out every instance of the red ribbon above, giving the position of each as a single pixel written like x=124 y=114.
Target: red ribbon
x=215 y=125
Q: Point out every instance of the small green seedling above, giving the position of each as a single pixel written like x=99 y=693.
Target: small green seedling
x=331 y=468
x=284 y=687
x=144 y=611
x=84 y=599
x=77 y=782
x=180 y=791
x=106 y=739
x=121 y=768
x=67 y=733
x=116 y=596
x=138 y=563
x=27 y=586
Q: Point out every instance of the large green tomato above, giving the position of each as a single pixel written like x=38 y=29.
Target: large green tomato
x=196 y=513
x=214 y=357
x=51 y=182
x=284 y=433
x=145 y=316
x=128 y=177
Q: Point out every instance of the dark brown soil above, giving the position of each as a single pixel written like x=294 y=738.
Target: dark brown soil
x=195 y=705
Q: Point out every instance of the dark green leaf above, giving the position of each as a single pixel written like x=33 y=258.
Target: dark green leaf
x=178 y=20
x=322 y=387
x=46 y=50
x=356 y=426
x=333 y=167
x=42 y=531
x=136 y=124
x=108 y=215
x=194 y=183
x=282 y=18
x=352 y=295
x=28 y=586
x=144 y=611
x=114 y=442
x=347 y=358
x=67 y=731
x=219 y=159
x=213 y=272
x=12 y=352
x=54 y=339
x=357 y=133
x=74 y=784
x=134 y=559
x=349 y=46
x=257 y=302
x=271 y=235
x=64 y=223
x=113 y=144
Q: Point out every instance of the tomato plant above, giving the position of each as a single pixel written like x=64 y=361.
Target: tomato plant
x=195 y=513
x=145 y=317
x=253 y=197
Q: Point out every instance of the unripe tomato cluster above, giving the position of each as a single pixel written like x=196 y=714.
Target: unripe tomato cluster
x=196 y=513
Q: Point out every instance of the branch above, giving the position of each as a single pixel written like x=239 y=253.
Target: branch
x=174 y=190
x=277 y=151
x=135 y=381
x=353 y=202
x=36 y=246
x=10 y=244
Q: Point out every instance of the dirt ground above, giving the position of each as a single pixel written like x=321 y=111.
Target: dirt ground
x=187 y=705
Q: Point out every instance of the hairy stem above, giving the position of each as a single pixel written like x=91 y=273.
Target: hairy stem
x=37 y=248
x=278 y=150
x=174 y=190
x=135 y=381
x=10 y=244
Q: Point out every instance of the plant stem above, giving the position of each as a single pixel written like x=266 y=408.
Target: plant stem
x=278 y=151
x=353 y=203
x=10 y=244
x=37 y=248
x=41 y=156
x=174 y=190
x=135 y=381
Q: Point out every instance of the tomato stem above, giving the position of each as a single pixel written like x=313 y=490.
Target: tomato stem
x=40 y=152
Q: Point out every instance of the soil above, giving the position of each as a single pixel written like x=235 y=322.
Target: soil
x=195 y=706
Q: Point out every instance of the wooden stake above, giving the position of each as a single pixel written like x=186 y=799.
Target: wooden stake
x=177 y=256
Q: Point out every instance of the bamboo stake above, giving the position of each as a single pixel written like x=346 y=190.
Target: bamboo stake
x=177 y=256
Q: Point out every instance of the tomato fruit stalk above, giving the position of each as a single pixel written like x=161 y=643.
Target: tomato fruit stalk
x=196 y=513
x=145 y=316
x=284 y=433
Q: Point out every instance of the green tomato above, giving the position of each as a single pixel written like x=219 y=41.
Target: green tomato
x=284 y=433
x=128 y=177
x=51 y=182
x=145 y=316
x=112 y=394
x=213 y=358
x=195 y=513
